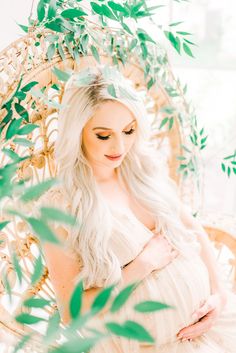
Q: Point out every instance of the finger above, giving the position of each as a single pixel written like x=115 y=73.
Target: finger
x=192 y=329
x=206 y=308
x=196 y=329
x=190 y=338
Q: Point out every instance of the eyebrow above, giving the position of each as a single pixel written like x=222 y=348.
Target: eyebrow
x=107 y=128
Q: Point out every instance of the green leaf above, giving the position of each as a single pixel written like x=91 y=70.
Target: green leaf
x=126 y=28
x=23 y=142
x=185 y=148
x=84 y=42
x=7 y=117
x=56 y=87
x=28 y=319
x=25 y=28
x=51 y=51
x=7 y=285
x=223 y=167
x=229 y=157
x=61 y=52
x=169 y=35
x=143 y=36
x=180 y=158
x=177 y=45
x=36 y=302
x=41 y=10
x=57 y=215
x=53 y=328
x=101 y=299
x=228 y=171
x=168 y=109
x=150 y=83
x=52 y=9
x=42 y=230
x=76 y=300
x=171 y=122
x=96 y=8
x=130 y=329
x=108 y=13
x=188 y=41
x=184 y=33
x=117 y=7
x=22 y=342
x=13 y=155
x=72 y=13
x=22 y=111
x=28 y=87
x=51 y=38
x=56 y=25
x=38 y=270
x=144 y=50
x=187 y=50
x=163 y=122
x=182 y=166
x=3 y=224
x=203 y=140
x=17 y=267
x=174 y=40
x=35 y=191
x=122 y=297
x=150 y=306
x=61 y=75
x=111 y=90
x=185 y=89
x=27 y=129
x=175 y=24
x=95 y=53
x=133 y=44
x=13 y=128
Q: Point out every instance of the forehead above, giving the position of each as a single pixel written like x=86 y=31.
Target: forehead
x=111 y=114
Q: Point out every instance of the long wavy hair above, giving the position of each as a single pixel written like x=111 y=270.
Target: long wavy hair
x=142 y=172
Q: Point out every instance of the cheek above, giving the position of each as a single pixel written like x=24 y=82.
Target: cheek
x=95 y=146
x=131 y=141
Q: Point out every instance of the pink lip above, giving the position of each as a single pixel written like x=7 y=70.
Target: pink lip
x=114 y=157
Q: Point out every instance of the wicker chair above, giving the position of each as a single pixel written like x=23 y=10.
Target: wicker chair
x=23 y=57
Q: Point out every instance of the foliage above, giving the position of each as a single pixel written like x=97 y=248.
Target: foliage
x=68 y=29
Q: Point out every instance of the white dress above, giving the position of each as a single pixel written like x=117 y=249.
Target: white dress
x=183 y=284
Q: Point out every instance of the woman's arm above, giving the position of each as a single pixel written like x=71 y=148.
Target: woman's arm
x=207 y=253
x=63 y=267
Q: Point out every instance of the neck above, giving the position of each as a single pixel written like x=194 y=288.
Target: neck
x=107 y=179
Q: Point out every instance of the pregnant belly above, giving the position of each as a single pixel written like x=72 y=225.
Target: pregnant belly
x=184 y=285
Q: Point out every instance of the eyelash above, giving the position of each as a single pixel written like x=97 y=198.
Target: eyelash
x=130 y=132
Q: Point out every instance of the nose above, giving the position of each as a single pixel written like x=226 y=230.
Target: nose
x=119 y=146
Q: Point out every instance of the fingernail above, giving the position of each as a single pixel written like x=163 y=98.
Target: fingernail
x=184 y=339
x=194 y=316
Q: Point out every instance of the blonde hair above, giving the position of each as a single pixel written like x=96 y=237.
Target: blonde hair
x=140 y=169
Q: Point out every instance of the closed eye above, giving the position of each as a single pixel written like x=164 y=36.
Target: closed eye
x=130 y=132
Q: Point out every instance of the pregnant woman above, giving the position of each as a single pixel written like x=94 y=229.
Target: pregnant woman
x=132 y=225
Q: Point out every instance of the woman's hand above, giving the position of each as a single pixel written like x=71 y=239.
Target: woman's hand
x=205 y=316
x=158 y=252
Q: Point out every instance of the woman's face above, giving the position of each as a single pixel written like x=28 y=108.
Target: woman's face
x=110 y=132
